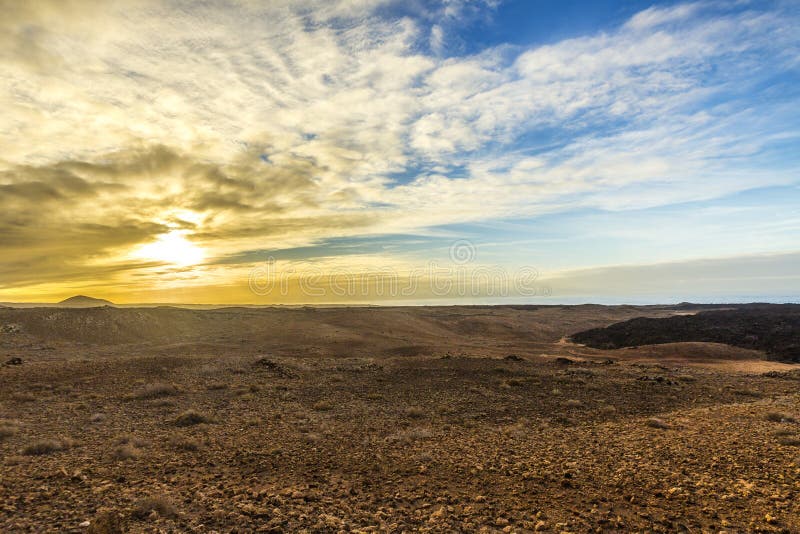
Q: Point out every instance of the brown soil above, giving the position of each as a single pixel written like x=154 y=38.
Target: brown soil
x=391 y=419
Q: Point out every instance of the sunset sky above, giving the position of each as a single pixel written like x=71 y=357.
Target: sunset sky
x=176 y=151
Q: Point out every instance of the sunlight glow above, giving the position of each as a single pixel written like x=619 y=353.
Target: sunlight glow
x=172 y=248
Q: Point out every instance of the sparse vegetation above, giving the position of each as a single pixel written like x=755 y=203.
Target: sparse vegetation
x=125 y=452
x=522 y=446
x=191 y=417
x=778 y=417
x=409 y=436
x=155 y=391
x=323 y=406
x=655 y=422
x=183 y=443
x=47 y=446
x=160 y=504
x=7 y=429
x=415 y=412
x=22 y=396
x=127 y=439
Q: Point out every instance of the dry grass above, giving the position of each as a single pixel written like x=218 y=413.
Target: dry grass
x=183 y=443
x=607 y=409
x=23 y=397
x=409 y=436
x=126 y=452
x=127 y=439
x=47 y=446
x=745 y=392
x=156 y=391
x=107 y=522
x=415 y=413
x=655 y=422
x=191 y=417
x=159 y=504
x=8 y=429
x=778 y=417
x=323 y=406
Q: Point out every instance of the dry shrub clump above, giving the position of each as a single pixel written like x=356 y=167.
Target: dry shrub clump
x=47 y=446
x=409 y=436
x=127 y=447
x=159 y=504
x=191 y=417
x=778 y=417
x=155 y=391
x=415 y=413
x=126 y=452
x=655 y=422
x=323 y=406
x=107 y=522
x=22 y=396
x=608 y=409
x=127 y=439
x=183 y=443
x=8 y=429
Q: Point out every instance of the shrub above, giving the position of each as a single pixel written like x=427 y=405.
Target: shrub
x=127 y=439
x=415 y=413
x=409 y=436
x=655 y=422
x=323 y=406
x=126 y=452
x=157 y=503
x=105 y=523
x=155 y=391
x=21 y=396
x=7 y=429
x=183 y=443
x=191 y=417
x=608 y=409
x=47 y=446
x=777 y=417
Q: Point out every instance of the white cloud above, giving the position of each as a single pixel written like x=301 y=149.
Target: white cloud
x=302 y=112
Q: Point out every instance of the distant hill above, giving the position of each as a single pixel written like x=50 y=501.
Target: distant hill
x=81 y=301
x=774 y=329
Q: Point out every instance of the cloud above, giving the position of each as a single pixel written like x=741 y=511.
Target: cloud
x=256 y=126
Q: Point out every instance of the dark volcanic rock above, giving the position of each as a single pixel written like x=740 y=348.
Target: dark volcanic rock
x=774 y=329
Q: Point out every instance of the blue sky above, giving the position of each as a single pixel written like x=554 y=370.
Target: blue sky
x=165 y=150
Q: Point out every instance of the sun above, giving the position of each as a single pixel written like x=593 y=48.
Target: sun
x=172 y=248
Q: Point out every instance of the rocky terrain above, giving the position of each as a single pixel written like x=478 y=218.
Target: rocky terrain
x=386 y=420
x=774 y=329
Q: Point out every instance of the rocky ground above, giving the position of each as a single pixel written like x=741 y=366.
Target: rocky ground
x=556 y=438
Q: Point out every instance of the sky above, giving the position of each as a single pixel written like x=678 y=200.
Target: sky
x=349 y=151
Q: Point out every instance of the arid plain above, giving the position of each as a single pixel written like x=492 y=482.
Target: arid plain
x=360 y=419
